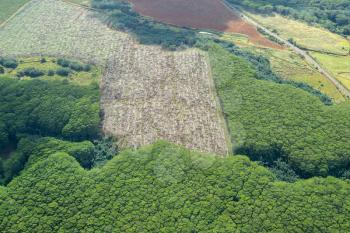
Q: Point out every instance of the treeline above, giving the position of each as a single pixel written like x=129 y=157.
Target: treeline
x=163 y=188
x=43 y=108
x=264 y=71
x=121 y=16
x=271 y=122
x=47 y=108
x=333 y=15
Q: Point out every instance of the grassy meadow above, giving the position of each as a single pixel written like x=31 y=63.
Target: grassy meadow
x=50 y=64
x=339 y=66
x=306 y=36
x=290 y=66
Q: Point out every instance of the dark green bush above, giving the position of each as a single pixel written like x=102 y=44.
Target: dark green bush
x=64 y=72
x=8 y=62
x=30 y=72
x=51 y=73
x=2 y=70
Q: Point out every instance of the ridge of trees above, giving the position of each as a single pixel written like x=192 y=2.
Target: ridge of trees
x=165 y=188
x=272 y=122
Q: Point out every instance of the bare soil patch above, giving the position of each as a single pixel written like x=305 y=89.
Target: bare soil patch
x=206 y=14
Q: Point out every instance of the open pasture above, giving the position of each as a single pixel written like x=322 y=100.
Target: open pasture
x=290 y=66
x=147 y=94
x=339 y=66
x=205 y=14
x=306 y=36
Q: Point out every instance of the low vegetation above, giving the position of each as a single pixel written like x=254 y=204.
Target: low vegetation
x=265 y=72
x=164 y=188
x=87 y=39
x=9 y=7
x=339 y=66
x=333 y=15
x=121 y=16
x=49 y=68
x=305 y=36
x=290 y=66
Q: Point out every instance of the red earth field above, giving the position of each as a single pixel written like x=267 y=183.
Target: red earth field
x=210 y=14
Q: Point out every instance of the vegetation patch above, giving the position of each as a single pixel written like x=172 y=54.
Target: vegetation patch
x=333 y=15
x=339 y=66
x=87 y=39
x=305 y=36
x=9 y=7
x=49 y=68
x=290 y=66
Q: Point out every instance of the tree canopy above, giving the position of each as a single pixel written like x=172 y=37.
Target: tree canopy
x=165 y=188
x=270 y=121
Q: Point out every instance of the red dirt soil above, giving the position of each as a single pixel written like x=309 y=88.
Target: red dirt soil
x=209 y=14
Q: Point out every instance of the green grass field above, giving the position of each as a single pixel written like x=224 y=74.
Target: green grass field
x=9 y=7
x=306 y=36
x=79 y=78
x=339 y=66
x=290 y=66
x=81 y=2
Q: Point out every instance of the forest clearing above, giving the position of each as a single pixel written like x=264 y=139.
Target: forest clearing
x=173 y=100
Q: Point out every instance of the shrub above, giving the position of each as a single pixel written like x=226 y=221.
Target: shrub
x=51 y=73
x=73 y=65
x=2 y=70
x=8 y=62
x=63 y=62
x=42 y=60
x=30 y=72
x=64 y=72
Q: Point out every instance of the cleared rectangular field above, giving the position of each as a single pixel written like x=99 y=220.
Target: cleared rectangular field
x=147 y=94
x=150 y=94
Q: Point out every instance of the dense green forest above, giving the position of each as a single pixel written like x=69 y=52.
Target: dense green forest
x=164 y=188
x=36 y=108
x=333 y=15
x=121 y=16
x=272 y=122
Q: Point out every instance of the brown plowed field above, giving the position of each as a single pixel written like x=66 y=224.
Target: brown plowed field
x=210 y=14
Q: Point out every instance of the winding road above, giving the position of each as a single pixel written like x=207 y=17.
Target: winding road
x=343 y=90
